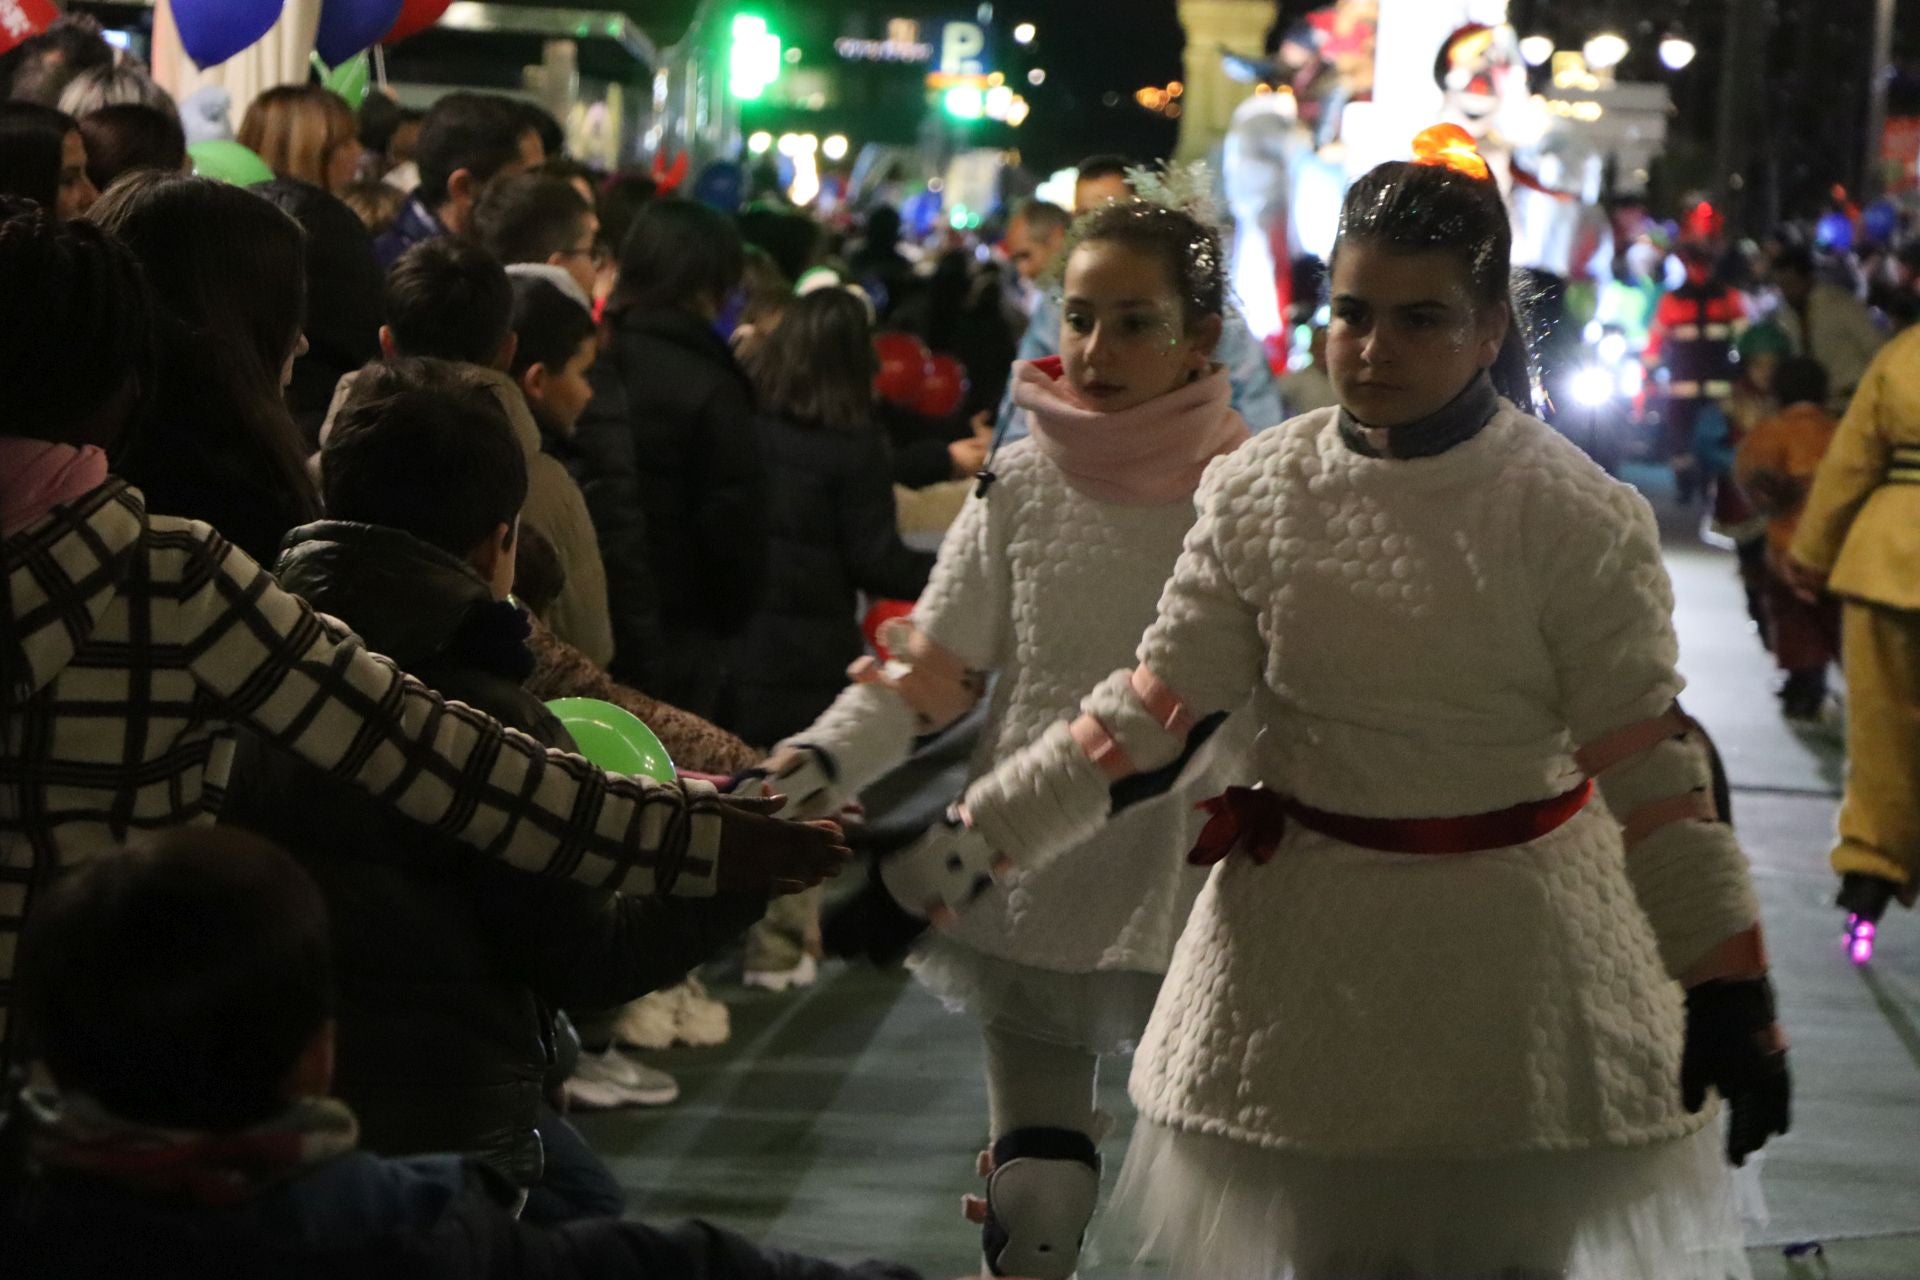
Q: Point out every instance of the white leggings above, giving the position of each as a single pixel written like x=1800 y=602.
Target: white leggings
x=1034 y=1083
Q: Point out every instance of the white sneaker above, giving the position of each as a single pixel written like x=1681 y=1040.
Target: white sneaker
x=804 y=974
x=698 y=1019
x=648 y=1023
x=586 y=1095
x=628 y=1083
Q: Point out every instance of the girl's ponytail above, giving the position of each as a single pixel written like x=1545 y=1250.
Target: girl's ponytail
x=1513 y=368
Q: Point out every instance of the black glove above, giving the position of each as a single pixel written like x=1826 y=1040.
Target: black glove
x=1733 y=1046
x=870 y=923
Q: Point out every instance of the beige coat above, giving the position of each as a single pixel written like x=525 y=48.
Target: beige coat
x=557 y=508
x=1860 y=527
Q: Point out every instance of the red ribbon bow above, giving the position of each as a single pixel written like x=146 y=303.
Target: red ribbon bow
x=1252 y=818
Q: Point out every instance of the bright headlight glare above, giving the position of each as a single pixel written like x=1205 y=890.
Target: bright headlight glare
x=1592 y=387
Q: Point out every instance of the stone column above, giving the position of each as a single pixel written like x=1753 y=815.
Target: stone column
x=1210 y=98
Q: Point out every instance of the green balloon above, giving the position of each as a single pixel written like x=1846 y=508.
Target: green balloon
x=228 y=161
x=614 y=738
x=351 y=79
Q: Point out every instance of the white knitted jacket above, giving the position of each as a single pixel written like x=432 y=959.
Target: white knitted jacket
x=1426 y=637
x=1051 y=589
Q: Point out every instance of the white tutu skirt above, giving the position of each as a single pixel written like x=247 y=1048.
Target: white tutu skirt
x=1228 y=1210
x=1103 y=1012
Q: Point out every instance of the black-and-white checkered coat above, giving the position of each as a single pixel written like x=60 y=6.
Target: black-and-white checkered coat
x=136 y=642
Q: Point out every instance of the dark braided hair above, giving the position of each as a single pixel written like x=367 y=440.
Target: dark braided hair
x=1415 y=207
x=1188 y=247
x=76 y=330
x=76 y=323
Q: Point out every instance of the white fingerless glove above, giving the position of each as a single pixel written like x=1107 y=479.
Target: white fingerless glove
x=943 y=872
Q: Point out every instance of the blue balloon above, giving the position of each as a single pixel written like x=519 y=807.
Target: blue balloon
x=722 y=184
x=348 y=26
x=1881 y=221
x=1834 y=232
x=211 y=31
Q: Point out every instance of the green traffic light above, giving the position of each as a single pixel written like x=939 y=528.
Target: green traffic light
x=754 y=60
x=965 y=102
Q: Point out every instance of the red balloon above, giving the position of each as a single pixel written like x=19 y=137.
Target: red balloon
x=415 y=16
x=873 y=625
x=904 y=361
x=943 y=390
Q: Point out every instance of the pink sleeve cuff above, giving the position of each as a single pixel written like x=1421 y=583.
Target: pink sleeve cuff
x=1162 y=703
x=1610 y=749
x=1102 y=748
x=1689 y=806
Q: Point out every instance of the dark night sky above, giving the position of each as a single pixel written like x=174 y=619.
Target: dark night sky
x=1091 y=48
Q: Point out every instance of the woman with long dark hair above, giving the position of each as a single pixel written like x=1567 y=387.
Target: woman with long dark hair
x=229 y=277
x=43 y=157
x=673 y=472
x=832 y=525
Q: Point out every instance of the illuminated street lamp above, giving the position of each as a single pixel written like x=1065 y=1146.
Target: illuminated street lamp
x=1037 y=77
x=760 y=143
x=1025 y=33
x=1605 y=51
x=1536 y=50
x=835 y=147
x=1676 y=52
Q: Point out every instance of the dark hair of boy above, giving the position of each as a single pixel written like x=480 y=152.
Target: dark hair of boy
x=31 y=142
x=567 y=169
x=472 y=131
x=553 y=139
x=375 y=121
x=131 y=135
x=551 y=326
x=622 y=197
x=419 y=448
x=1104 y=165
x=179 y=984
x=816 y=366
x=449 y=300
x=1801 y=380
x=530 y=217
x=44 y=65
x=678 y=254
x=1044 y=217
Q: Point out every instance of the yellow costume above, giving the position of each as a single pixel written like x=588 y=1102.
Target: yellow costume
x=1862 y=527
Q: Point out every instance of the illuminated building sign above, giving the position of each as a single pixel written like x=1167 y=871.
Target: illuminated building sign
x=903 y=44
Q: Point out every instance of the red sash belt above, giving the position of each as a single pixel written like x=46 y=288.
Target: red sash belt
x=1253 y=819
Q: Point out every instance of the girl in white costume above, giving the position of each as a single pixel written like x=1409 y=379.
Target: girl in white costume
x=1046 y=580
x=1445 y=1008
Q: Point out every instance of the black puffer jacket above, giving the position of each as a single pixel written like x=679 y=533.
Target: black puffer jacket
x=677 y=488
x=834 y=534
x=450 y=969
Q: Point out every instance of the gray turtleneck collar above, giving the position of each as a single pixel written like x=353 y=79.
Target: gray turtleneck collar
x=1455 y=422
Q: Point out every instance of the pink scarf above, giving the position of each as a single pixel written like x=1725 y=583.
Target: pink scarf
x=36 y=476
x=1146 y=456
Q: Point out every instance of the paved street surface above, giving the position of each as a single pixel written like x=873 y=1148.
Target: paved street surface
x=844 y=1120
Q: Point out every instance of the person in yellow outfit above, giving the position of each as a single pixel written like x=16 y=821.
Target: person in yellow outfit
x=1859 y=538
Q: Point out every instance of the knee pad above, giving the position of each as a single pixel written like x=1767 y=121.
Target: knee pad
x=1041 y=1194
